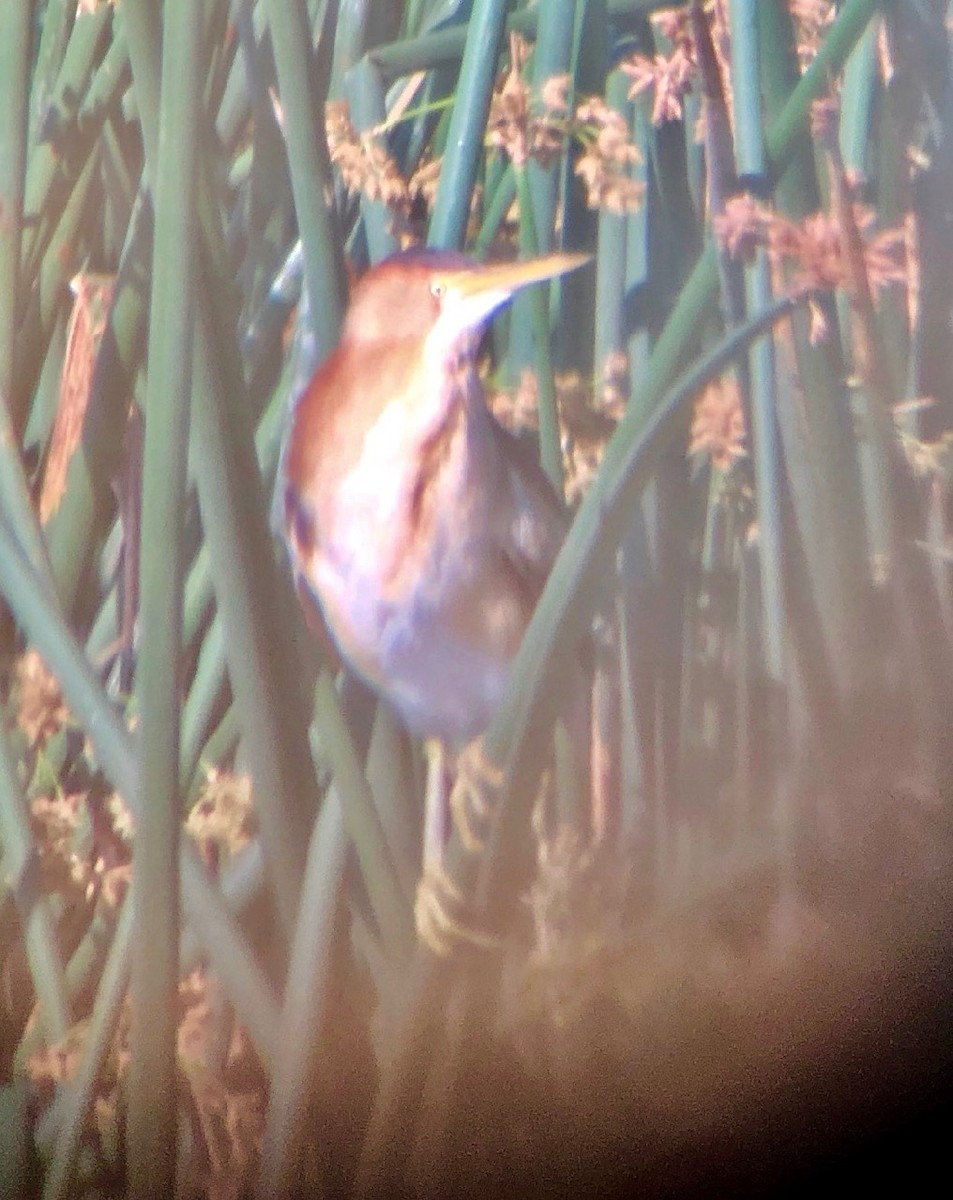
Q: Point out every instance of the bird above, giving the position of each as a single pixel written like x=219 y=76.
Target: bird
x=420 y=531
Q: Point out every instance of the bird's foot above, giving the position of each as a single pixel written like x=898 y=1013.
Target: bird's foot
x=472 y=795
x=439 y=914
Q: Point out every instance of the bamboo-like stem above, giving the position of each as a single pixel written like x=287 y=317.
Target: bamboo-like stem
x=43 y=626
x=550 y=443
x=153 y=1085
x=310 y=166
x=15 y=47
x=36 y=918
x=261 y=656
x=467 y=123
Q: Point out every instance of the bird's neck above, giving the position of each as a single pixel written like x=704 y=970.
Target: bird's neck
x=393 y=479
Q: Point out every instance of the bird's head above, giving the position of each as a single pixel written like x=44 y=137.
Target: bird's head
x=439 y=297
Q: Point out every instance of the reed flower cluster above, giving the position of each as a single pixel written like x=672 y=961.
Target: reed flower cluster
x=667 y=76
x=526 y=128
x=718 y=425
x=813 y=251
x=366 y=167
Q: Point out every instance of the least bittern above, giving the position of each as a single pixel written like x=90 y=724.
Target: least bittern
x=420 y=527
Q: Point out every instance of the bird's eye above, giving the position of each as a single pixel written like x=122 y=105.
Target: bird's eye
x=438 y=289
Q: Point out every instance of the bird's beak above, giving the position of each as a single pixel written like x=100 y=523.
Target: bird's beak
x=504 y=278
x=475 y=292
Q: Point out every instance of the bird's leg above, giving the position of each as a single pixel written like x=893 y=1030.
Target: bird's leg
x=472 y=795
x=605 y=738
x=439 y=903
x=435 y=804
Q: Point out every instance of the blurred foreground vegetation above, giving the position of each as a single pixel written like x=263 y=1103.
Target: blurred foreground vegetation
x=210 y=844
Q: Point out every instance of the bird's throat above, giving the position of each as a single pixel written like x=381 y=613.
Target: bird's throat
x=391 y=499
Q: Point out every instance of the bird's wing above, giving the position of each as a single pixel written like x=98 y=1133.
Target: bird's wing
x=537 y=522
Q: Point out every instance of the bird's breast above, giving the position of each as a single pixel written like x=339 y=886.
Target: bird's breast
x=412 y=583
x=401 y=520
